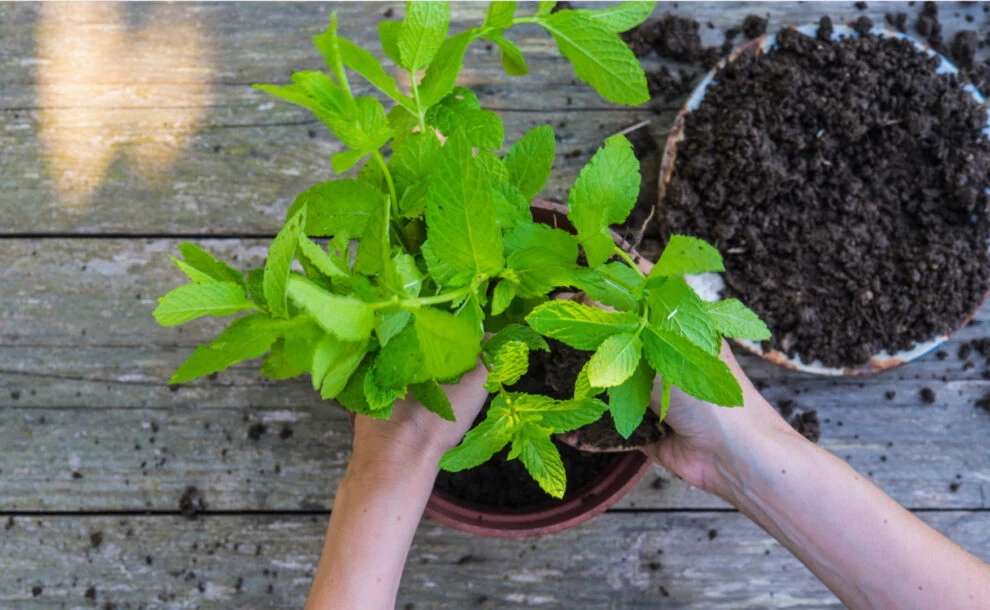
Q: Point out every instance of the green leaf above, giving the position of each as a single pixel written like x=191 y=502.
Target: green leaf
x=690 y=368
x=278 y=366
x=615 y=360
x=513 y=61
x=404 y=279
x=202 y=261
x=614 y=284
x=334 y=361
x=733 y=319
x=511 y=206
x=502 y=297
x=374 y=248
x=543 y=8
x=292 y=354
x=450 y=344
x=530 y=160
x=432 y=396
x=192 y=301
x=244 y=339
x=329 y=45
x=623 y=17
x=318 y=258
x=353 y=397
x=628 y=401
x=664 y=399
x=388 y=33
x=600 y=58
x=511 y=362
x=368 y=66
x=442 y=74
x=422 y=32
x=400 y=362
x=380 y=397
x=499 y=15
x=537 y=273
x=338 y=207
x=559 y=245
x=484 y=440
x=580 y=326
x=470 y=311
x=603 y=194
x=256 y=287
x=532 y=445
x=390 y=325
x=463 y=240
x=685 y=255
x=277 y=266
x=346 y=317
x=413 y=160
x=195 y=275
x=515 y=332
x=674 y=306
x=583 y=387
x=461 y=110
x=558 y=415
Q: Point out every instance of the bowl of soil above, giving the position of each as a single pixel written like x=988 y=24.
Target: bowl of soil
x=500 y=499
x=843 y=172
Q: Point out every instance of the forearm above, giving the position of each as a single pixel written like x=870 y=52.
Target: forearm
x=870 y=551
x=376 y=510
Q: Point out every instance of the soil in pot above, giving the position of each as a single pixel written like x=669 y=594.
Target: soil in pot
x=505 y=484
x=844 y=182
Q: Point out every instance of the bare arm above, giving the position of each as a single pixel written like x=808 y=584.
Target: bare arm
x=869 y=550
x=382 y=496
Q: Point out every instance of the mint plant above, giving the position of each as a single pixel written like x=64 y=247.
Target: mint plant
x=400 y=279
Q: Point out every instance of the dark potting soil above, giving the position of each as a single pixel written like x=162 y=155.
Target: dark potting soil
x=504 y=483
x=850 y=209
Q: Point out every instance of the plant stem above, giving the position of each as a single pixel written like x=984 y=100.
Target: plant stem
x=629 y=261
x=437 y=299
x=394 y=204
x=419 y=106
x=525 y=20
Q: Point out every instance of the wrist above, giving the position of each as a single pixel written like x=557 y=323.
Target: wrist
x=742 y=466
x=385 y=452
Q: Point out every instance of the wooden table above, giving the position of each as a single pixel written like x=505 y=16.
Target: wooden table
x=127 y=129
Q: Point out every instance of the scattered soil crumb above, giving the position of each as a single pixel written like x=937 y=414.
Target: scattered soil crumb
x=928 y=395
x=754 y=26
x=890 y=394
x=191 y=503
x=863 y=25
x=941 y=354
x=256 y=430
x=807 y=425
x=90 y=593
x=36 y=591
x=954 y=486
x=897 y=21
x=712 y=534
x=984 y=403
x=466 y=559
x=861 y=6
x=285 y=432
x=96 y=539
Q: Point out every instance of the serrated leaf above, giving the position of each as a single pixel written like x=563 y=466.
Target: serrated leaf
x=464 y=239
x=536 y=272
x=532 y=445
x=502 y=297
x=338 y=207
x=611 y=285
x=733 y=319
x=604 y=193
x=412 y=161
x=690 y=368
x=244 y=339
x=666 y=386
x=334 y=361
x=511 y=206
x=530 y=160
x=483 y=128
x=623 y=17
x=674 y=306
x=374 y=248
x=192 y=301
x=195 y=275
x=347 y=318
x=471 y=312
x=513 y=61
x=405 y=278
x=390 y=324
x=615 y=360
x=515 y=332
x=499 y=15
x=450 y=344
x=256 y=287
x=543 y=8
x=368 y=66
x=279 y=262
x=510 y=363
x=400 y=362
x=432 y=396
x=318 y=258
x=423 y=30
x=628 y=401
x=583 y=387
x=353 y=397
x=685 y=255
x=439 y=79
x=558 y=415
x=484 y=440
x=292 y=354
x=204 y=262
x=380 y=397
x=559 y=245
x=600 y=58
x=345 y=160
x=388 y=33
x=328 y=44
x=580 y=326
x=277 y=366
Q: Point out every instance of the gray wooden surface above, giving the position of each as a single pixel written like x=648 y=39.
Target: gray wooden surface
x=172 y=143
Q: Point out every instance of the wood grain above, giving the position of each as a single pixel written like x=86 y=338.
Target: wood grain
x=716 y=561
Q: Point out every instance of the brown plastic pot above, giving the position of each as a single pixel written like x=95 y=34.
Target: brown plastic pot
x=627 y=469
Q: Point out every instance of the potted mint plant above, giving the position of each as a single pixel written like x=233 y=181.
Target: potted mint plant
x=431 y=258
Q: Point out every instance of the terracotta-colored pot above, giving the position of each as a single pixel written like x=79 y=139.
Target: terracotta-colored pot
x=622 y=475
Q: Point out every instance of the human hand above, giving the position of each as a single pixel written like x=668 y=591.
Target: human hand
x=414 y=432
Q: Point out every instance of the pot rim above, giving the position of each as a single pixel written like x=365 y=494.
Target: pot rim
x=710 y=285
x=597 y=496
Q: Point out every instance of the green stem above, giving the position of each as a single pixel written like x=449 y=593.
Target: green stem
x=394 y=203
x=629 y=261
x=518 y=20
x=437 y=299
x=419 y=106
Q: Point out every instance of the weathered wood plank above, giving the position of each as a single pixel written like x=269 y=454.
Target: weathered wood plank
x=184 y=144
x=703 y=561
